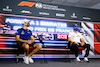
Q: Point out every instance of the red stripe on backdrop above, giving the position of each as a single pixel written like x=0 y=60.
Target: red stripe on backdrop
x=97 y=38
x=4 y=45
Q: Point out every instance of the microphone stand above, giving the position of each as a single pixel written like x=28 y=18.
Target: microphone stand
x=44 y=46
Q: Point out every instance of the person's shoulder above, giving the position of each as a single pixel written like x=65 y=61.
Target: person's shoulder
x=71 y=32
x=20 y=29
x=79 y=33
x=29 y=30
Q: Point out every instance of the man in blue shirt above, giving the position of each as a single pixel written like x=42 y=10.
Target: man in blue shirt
x=23 y=36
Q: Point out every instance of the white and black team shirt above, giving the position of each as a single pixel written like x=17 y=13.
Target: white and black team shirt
x=75 y=37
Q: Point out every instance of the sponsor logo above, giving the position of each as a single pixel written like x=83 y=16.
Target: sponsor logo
x=87 y=18
x=48 y=7
x=25 y=11
x=7 y=9
x=73 y=15
x=22 y=32
x=41 y=6
x=38 y=5
x=43 y=13
x=25 y=3
x=60 y=15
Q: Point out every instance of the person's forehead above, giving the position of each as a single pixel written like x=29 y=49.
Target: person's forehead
x=26 y=22
x=76 y=26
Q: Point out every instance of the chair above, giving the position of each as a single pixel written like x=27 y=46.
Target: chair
x=79 y=48
x=20 y=50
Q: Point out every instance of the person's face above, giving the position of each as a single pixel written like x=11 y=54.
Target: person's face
x=25 y=23
x=75 y=27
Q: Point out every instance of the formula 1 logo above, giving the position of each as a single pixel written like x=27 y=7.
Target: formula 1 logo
x=25 y=3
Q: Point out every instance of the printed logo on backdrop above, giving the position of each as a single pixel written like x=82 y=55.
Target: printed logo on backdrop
x=48 y=7
x=25 y=11
x=60 y=15
x=43 y=13
x=7 y=8
x=38 y=5
x=25 y=3
x=41 y=6
x=74 y=15
x=86 y=18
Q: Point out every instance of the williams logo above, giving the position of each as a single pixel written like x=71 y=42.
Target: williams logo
x=25 y=3
x=7 y=9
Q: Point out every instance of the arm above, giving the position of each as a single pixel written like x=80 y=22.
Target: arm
x=82 y=40
x=32 y=38
x=18 y=33
x=18 y=39
x=69 y=40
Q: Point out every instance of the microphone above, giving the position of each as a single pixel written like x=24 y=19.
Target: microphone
x=40 y=39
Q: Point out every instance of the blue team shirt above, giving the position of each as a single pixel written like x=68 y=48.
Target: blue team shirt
x=24 y=33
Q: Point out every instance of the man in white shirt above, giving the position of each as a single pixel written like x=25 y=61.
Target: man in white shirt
x=76 y=40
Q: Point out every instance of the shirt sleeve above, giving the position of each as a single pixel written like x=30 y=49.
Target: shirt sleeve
x=69 y=35
x=18 y=32
x=81 y=36
x=30 y=33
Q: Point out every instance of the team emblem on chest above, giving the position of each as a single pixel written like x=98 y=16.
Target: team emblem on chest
x=22 y=32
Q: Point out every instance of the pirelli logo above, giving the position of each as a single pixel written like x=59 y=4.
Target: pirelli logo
x=25 y=3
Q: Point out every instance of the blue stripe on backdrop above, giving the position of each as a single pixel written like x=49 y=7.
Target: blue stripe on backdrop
x=7 y=39
x=46 y=42
x=37 y=56
x=53 y=41
x=11 y=43
x=8 y=43
x=53 y=57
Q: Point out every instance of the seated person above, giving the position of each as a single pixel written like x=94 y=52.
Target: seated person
x=23 y=36
x=76 y=40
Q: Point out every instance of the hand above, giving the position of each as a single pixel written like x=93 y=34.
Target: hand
x=29 y=42
x=76 y=43
x=82 y=44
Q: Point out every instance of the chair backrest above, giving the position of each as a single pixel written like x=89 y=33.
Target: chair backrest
x=15 y=34
x=80 y=48
x=17 y=42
